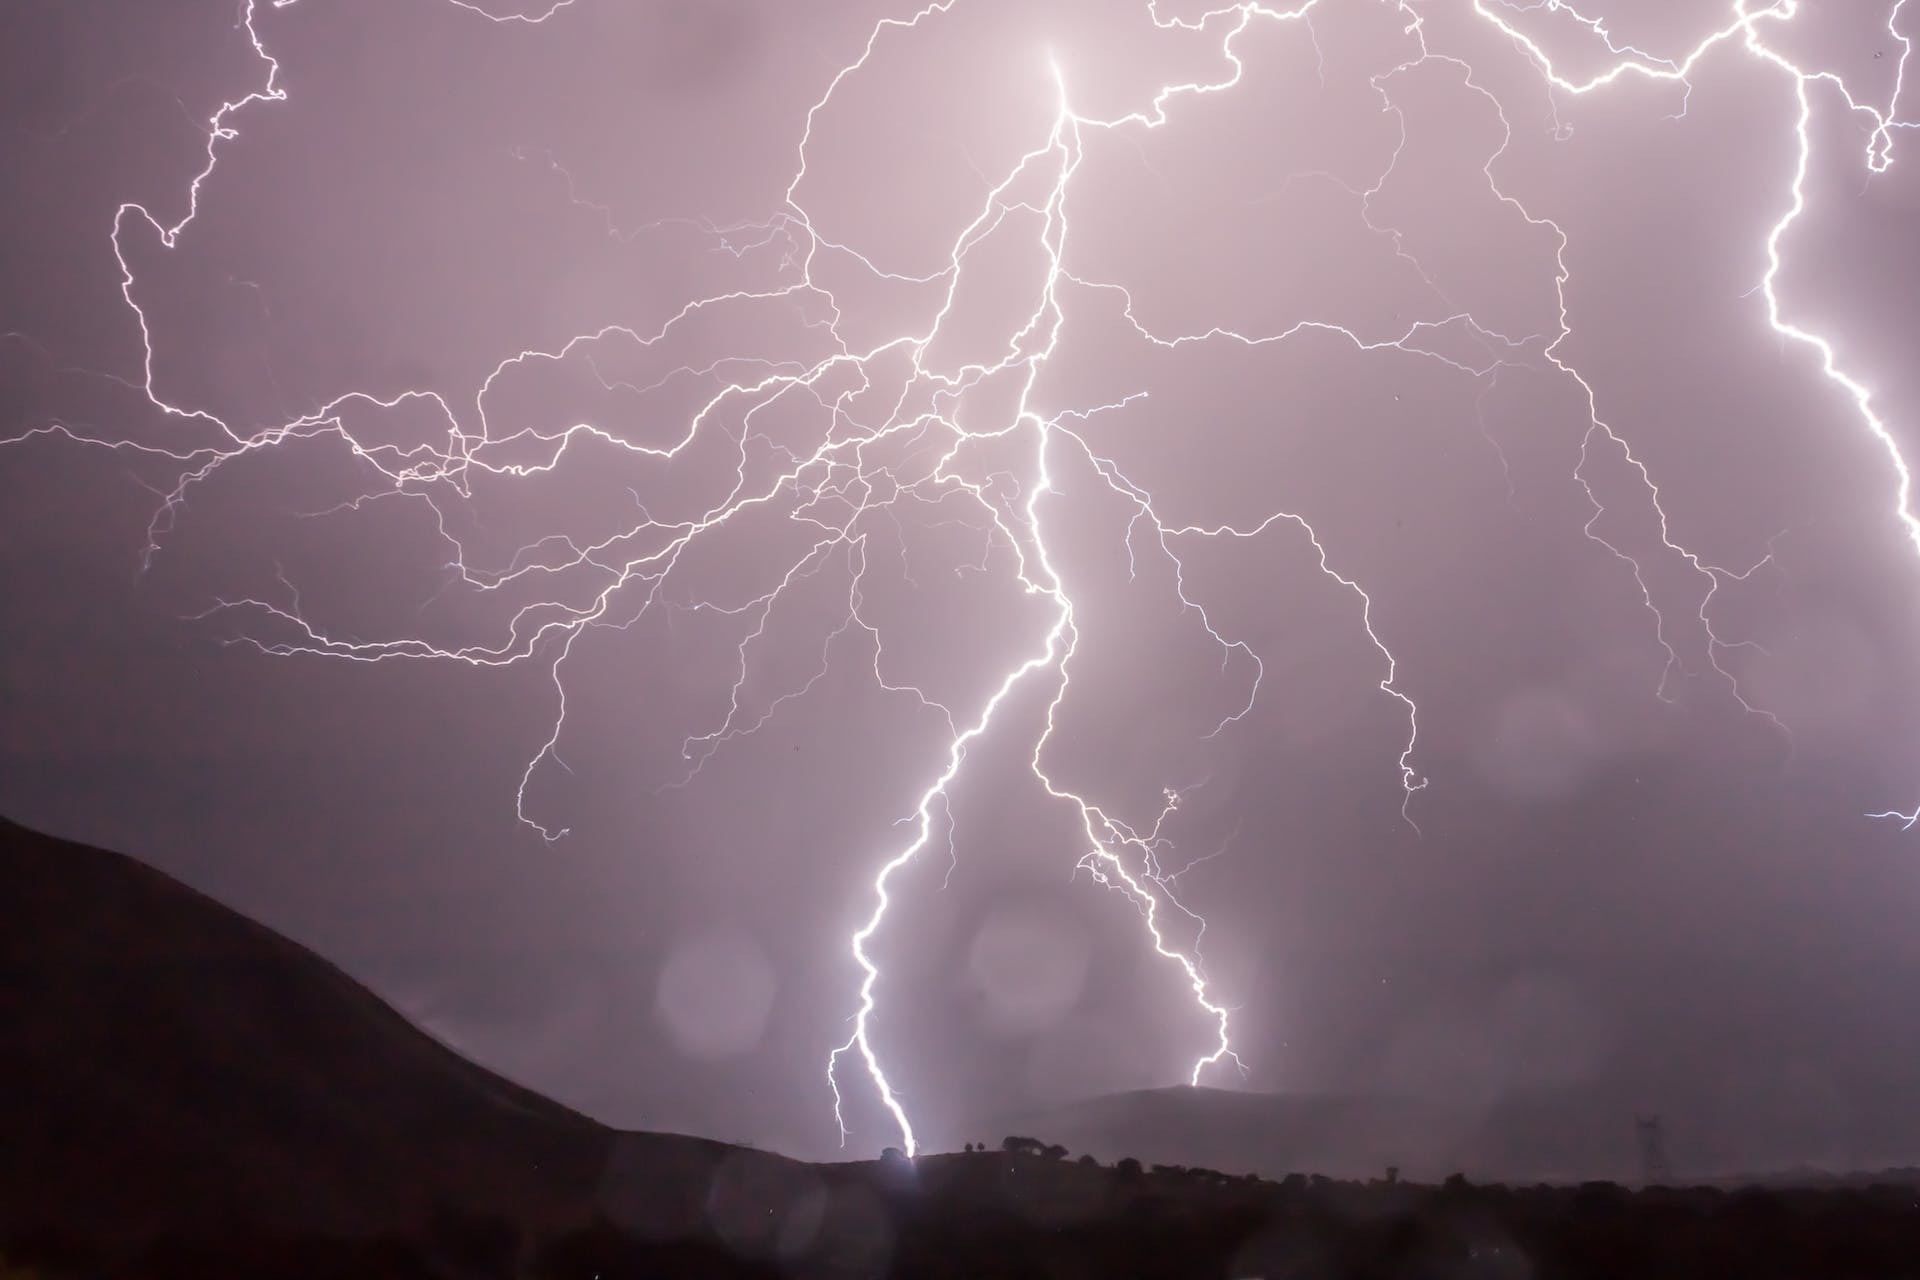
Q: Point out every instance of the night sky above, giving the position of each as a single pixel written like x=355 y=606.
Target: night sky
x=316 y=596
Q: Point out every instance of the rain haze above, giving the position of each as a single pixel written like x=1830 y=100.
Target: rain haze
x=1312 y=524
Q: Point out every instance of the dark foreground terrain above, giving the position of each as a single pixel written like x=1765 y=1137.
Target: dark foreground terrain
x=187 y=1096
x=999 y=1215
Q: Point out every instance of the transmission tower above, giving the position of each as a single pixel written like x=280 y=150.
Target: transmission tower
x=1653 y=1151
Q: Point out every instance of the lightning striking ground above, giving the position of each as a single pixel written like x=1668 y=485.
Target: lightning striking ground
x=915 y=452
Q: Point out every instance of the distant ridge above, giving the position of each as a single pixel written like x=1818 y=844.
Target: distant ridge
x=1561 y=1136
x=1542 y=1138
x=166 y=1062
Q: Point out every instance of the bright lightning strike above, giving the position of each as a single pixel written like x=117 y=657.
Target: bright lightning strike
x=866 y=468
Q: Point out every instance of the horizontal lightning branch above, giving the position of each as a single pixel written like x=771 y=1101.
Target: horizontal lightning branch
x=878 y=457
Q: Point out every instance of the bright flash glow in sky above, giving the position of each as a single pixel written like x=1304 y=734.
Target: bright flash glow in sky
x=1040 y=420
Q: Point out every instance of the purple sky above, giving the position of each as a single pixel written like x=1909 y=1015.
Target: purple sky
x=1650 y=723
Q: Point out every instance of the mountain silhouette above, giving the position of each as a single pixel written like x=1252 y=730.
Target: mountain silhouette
x=1549 y=1137
x=185 y=1095
x=165 y=1061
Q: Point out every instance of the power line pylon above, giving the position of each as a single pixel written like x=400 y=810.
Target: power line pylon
x=1654 y=1168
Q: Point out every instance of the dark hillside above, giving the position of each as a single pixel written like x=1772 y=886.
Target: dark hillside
x=166 y=1061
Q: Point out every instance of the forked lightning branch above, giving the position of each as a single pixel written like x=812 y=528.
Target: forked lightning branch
x=863 y=470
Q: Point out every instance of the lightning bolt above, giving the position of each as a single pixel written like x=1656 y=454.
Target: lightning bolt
x=1745 y=27
x=901 y=435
